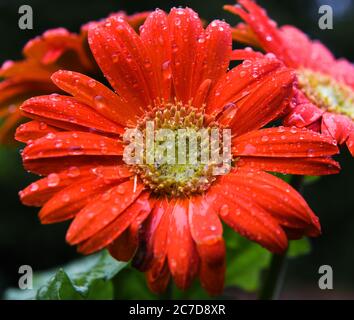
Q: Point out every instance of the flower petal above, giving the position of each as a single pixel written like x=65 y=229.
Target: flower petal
x=206 y=231
x=264 y=104
x=156 y=37
x=123 y=247
x=213 y=54
x=182 y=254
x=337 y=126
x=67 y=109
x=94 y=94
x=276 y=197
x=100 y=212
x=45 y=166
x=303 y=166
x=124 y=60
x=33 y=130
x=303 y=113
x=250 y=220
x=185 y=30
x=350 y=143
x=264 y=29
x=283 y=142
x=68 y=202
x=72 y=144
x=238 y=82
x=158 y=282
x=156 y=237
x=100 y=239
x=39 y=192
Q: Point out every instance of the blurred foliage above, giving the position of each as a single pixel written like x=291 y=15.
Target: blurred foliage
x=86 y=278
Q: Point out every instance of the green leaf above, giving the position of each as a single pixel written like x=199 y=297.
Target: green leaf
x=86 y=278
x=299 y=248
x=59 y=287
x=245 y=261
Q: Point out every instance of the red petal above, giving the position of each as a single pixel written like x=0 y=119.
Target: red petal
x=123 y=248
x=250 y=220
x=66 y=203
x=100 y=212
x=29 y=70
x=267 y=34
x=124 y=60
x=158 y=282
x=39 y=192
x=245 y=54
x=100 y=237
x=206 y=231
x=276 y=197
x=304 y=112
x=45 y=166
x=213 y=54
x=302 y=166
x=204 y=223
x=264 y=104
x=182 y=255
x=156 y=37
x=350 y=143
x=337 y=126
x=237 y=83
x=49 y=47
x=185 y=30
x=156 y=237
x=212 y=267
x=33 y=130
x=67 y=109
x=71 y=144
x=97 y=96
x=283 y=142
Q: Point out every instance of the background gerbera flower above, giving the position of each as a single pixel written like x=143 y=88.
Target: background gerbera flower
x=174 y=72
x=324 y=92
x=55 y=49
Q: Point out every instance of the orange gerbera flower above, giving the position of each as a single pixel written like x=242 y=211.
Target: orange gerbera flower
x=324 y=91
x=174 y=73
x=55 y=49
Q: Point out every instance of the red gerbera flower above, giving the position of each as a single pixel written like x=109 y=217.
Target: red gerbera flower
x=55 y=49
x=324 y=92
x=174 y=73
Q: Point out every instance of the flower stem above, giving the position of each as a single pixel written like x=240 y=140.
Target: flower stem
x=276 y=273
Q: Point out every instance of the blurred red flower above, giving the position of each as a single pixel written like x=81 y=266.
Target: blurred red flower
x=55 y=49
x=173 y=72
x=324 y=91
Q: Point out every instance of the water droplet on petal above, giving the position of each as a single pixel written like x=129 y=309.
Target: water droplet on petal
x=53 y=180
x=34 y=187
x=224 y=210
x=73 y=172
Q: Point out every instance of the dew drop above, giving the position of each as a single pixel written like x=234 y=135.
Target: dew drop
x=92 y=83
x=34 y=187
x=53 y=180
x=73 y=172
x=224 y=210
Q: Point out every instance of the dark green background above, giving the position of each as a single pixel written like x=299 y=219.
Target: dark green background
x=24 y=241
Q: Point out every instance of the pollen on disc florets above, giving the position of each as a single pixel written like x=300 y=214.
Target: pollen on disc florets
x=327 y=93
x=177 y=179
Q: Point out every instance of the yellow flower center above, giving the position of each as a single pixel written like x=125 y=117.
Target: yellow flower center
x=327 y=93
x=177 y=160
